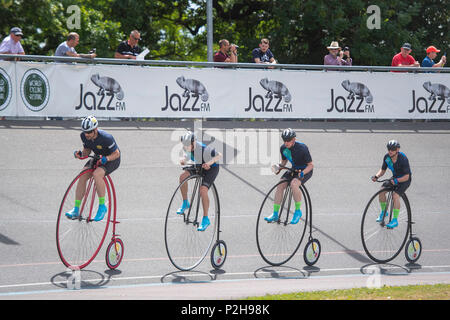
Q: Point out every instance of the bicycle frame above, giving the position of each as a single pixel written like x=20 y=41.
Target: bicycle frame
x=196 y=193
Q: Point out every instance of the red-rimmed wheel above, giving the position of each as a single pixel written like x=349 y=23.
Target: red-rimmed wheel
x=114 y=253
x=79 y=240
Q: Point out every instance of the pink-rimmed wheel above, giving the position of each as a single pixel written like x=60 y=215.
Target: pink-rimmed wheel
x=114 y=253
x=79 y=240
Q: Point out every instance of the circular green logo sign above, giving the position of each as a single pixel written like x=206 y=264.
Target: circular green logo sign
x=5 y=89
x=35 y=90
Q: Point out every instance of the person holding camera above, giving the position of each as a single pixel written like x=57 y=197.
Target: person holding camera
x=67 y=48
x=336 y=56
x=227 y=52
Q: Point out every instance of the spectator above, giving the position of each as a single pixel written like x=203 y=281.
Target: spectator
x=428 y=62
x=226 y=53
x=403 y=58
x=129 y=49
x=263 y=53
x=336 y=56
x=11 y=44
x=67 y=48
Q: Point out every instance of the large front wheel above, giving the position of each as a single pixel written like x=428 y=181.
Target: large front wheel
x=185 y=245
x=381 y=243
x=279 y=240
x=79 y=240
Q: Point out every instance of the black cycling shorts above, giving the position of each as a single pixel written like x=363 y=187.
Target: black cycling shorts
x=109 y=167
x=402 y=187
x=288 y=175
x=209 y=176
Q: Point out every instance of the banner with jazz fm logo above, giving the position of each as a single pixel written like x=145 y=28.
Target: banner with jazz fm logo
x=76 y=90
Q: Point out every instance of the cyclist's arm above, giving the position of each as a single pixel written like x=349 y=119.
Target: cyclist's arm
x=380 y=173
x=283 y=162
x=309 y=167
x=113 y=156
x=215 y=159
x=403 y=178
x=85 y=152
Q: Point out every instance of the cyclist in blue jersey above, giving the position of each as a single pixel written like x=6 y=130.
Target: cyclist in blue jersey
x=298 y=155
x=398 y=163
x=206 y=156
x=103 y=145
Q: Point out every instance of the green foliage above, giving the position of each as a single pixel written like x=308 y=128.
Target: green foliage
x=299 y=30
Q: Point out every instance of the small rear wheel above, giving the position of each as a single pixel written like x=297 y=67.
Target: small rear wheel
x=114 y=253
x=218 y=254
x=413 y=249
x=312 y=251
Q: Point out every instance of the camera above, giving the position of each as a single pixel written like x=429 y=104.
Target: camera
x=346 y=48
x=93 y=50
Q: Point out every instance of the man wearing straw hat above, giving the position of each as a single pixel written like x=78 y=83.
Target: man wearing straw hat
x=336 y=55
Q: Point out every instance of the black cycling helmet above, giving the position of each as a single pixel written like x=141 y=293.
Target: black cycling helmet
x=188 y=138
x=393 y=145
x=288 y=134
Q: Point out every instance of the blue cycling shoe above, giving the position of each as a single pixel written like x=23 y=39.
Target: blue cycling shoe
x=205 y=223
x=380 y=217
x=392 y=224
x=272 y=218
x=74 y=213
x=296 y=217
x=100 y=213
x=183 y=207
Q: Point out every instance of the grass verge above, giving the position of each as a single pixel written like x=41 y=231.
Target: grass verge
x=413 y=292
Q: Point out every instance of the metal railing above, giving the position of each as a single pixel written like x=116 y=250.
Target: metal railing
x=221 y=64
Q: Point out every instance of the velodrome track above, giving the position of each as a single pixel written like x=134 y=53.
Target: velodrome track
x=36 y=165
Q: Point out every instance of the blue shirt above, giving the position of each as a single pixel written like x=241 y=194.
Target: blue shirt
x=103 y=145
x=399 y=168
x=202 y=154
x=298 y=155
x=427 y=62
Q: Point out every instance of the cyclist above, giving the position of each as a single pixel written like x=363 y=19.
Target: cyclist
x=206 y=156
x=398 y=163
x=103 y=145
x=298 y=155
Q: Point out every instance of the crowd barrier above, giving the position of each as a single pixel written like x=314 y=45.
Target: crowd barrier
x=39 y=86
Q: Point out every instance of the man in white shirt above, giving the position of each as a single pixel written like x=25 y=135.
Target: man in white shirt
x=11 y=44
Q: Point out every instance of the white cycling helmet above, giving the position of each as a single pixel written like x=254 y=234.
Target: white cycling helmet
x=89 y=123
x=188 y=138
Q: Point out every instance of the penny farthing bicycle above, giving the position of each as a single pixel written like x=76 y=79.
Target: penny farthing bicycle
x=278 y=241
x=381 y=243
x=185 y=245
x=79 y=240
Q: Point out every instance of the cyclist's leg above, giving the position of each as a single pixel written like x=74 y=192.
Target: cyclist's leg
x=382 y=200
x=278 y=198
x=184 y=192
x=79 y=194
x=208 y=180
x=297 y=194
x=98 y=175
x=401 y=188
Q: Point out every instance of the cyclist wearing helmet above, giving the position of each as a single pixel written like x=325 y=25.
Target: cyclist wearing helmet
x=103 y=145
x=206 y=156
x=398 y=163
x=298 y=155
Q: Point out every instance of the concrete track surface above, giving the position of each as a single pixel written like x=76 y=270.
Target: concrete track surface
x=36 y=166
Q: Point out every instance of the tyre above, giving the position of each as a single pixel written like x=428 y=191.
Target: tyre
x=79 y=240
x=278 y=241
x=185 y=246
x=218 y=254
x=312 y=252
x=413 y=249
x=114 y=253
x=381 y=243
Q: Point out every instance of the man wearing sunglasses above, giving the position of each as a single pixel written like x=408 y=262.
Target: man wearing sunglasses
x=129 y=49
x=398 y=163
x=11 y=44
x=298 y=155
x=103 y=145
